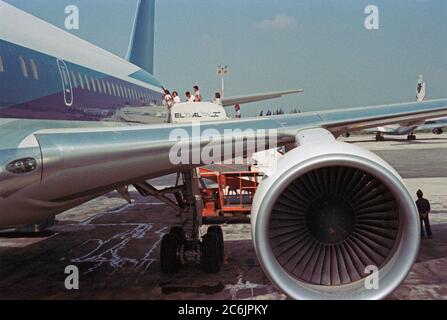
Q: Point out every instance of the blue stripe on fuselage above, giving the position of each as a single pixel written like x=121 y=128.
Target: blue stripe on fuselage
x=43 y=98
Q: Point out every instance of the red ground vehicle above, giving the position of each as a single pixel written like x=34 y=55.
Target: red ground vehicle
x=228 y=193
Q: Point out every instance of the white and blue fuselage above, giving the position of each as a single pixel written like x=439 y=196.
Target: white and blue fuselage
x=47 y=73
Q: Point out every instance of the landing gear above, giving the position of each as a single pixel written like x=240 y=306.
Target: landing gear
x=217 y=230
x=183 y=244
x=169 y=253
x=411 y=137
x=211 y=256
x=379 y=137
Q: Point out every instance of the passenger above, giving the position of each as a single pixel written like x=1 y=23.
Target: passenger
x=176 y=97
x=189 y=97
x=217 y=98
x=237 y=108
x=424 y=210
x=262 y=113
x=197 y=95
x=167 y=98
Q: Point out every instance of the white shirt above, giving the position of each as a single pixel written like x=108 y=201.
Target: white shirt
x=177 y=99
x=198 y=96
x=191 y=99
x=168 y=100
x=238 y=114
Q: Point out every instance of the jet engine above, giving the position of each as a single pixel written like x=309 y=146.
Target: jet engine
x=438 y=131
x=335 y=221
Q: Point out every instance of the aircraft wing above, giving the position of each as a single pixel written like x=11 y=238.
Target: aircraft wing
x=52 y=170
x=231 y=101
x=435 y=123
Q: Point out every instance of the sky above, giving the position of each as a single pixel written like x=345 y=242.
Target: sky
x=321 y=46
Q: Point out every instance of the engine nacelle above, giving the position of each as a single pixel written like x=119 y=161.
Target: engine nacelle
x=330 y=215
x=438 y=131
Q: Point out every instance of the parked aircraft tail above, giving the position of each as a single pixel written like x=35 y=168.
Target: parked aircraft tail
x=420 y=90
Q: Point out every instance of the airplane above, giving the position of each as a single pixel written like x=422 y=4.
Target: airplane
x=435 y=125
x=328 y=213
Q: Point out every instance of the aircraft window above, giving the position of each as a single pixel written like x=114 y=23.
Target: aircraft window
x=104 y=86
x=2 y=67
x=125 y=92
x=109 y=90
x=114 y=90
x=99 y=85
x=122 y=91
x=75 y=81
x=34 y=69
x=93 y=83
x=87 y=82
x=80 y=80
x=135 y=95
x=128 y=93
x=23 y=66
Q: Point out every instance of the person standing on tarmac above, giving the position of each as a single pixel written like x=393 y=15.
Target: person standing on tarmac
x=424 y=210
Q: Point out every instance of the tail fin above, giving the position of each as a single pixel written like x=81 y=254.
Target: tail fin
x=141 y=47
x=420 y=90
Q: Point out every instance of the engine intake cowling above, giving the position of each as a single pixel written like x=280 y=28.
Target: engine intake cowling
x=330 y=215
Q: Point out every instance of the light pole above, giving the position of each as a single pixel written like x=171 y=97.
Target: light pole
x=223 y=71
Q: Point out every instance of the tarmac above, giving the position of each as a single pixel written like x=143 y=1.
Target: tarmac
x=116 y=245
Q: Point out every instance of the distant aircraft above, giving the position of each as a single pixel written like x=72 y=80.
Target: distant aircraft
x=328 y=213
x=408 y=128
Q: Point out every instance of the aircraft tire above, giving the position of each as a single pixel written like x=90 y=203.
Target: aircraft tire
x=168 y=254
x=218 y=231
x=210 y=253
x=180 y=233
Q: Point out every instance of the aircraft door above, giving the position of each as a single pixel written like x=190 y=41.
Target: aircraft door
x=66 y=83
